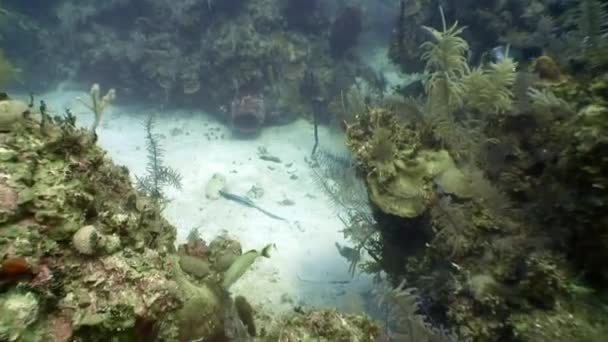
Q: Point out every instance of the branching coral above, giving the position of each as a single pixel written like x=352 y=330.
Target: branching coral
x=98 y=103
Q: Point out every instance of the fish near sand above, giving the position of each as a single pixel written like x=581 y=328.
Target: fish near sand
x=215 y=189
x=242 y=264
x=249 y=203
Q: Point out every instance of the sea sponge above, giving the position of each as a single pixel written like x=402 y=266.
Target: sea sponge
x=547 y=68
x=87 y=240
x=224 y=251
x=216 y=184
x=247 y=114
x=194 y=266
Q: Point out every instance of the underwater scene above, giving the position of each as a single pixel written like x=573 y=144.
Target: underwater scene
x=303 y=170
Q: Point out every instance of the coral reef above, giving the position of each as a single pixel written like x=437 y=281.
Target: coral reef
x=486 y=264
x=77 y=223
x=484 y=188
x=473 y=238
x=401 y=175
x=192 y=54
x=325 y=326
x=84 y=256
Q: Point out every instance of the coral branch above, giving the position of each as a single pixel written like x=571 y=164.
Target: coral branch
x=98 y=104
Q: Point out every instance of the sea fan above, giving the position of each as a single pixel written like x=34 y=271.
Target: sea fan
x=336 y=176
x=451 y=226
x=158 y=175
x=403 y=320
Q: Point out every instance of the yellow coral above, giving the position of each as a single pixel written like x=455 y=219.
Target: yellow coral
x=408 y=192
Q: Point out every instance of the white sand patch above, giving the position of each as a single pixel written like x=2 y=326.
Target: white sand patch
x=195 y=144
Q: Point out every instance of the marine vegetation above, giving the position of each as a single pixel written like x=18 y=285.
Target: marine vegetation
x=475 y=186
x=452 y=86
x=158 y=175
x=446 y=65
x=336 y=176
x=486 y=200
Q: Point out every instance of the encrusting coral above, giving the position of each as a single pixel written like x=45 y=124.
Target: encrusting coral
x=401 y=175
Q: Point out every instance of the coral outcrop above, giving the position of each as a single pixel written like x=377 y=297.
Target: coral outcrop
x=508 y=242
x=247 y=115
x=402 y=176
x=86 y=257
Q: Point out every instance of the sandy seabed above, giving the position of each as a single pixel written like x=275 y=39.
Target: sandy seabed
x=305 y=269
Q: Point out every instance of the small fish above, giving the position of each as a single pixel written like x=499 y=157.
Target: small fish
x=499 y=53
x=247 y=202
x=242 y=264
x=502 y=52
x=348 y=253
